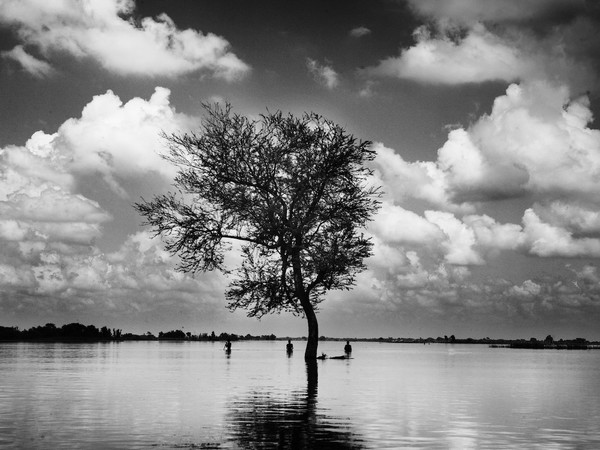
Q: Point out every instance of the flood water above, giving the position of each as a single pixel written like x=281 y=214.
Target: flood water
x=191 y=395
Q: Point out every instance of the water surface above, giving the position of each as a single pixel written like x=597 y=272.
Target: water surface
x=192 y=395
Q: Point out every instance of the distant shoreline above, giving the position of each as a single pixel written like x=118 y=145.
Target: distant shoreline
x=75 y=332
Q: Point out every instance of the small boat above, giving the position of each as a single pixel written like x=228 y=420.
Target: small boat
x=324 y=356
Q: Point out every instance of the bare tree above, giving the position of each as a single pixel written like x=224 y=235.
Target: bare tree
x=292 y=190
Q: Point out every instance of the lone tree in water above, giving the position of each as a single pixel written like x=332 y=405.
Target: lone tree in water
x=292 y=190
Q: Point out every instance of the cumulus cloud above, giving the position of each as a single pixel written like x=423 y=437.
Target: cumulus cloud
x=538 y=140
x=323 y=74
x=52 y=203
x=588 y=278
x=37 y=202
x=535 y=141
x=470 y=240
x=547 y=240
x=395 y=224
x=402 y=180
x=490 y=234
x=41 y=209
x=536 y=145
x=467 y=41
x=49 y=232
x=446 y=57
x=451 y=299
x=143 y=263
x=577 y=217
x=526 y=289
x=47 y=229
x=460 y=238
x=106 y=32
x=138 y=278
x=480 y=56
x=116 y=139
x=535 y=149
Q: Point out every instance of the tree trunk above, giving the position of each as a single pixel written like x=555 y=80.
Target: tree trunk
x=310 y=354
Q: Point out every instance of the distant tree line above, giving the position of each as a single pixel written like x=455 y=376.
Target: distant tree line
x=550 y=343
x=90 y=333
x=180 y=335
x=68 y=332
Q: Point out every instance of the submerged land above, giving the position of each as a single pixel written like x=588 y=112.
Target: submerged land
x=76 y=332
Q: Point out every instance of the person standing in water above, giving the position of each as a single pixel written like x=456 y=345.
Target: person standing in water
x=289 y=348
x=347 y=348
x=227 y=346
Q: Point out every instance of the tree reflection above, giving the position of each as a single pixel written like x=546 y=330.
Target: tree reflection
x=263 y=420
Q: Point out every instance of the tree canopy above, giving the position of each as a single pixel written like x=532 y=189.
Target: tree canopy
x=294 y=191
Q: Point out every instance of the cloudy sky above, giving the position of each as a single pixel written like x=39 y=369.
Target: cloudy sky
x=482 y=113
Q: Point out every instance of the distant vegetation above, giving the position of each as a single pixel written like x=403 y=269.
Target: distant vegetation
x=68 y=332
x=533 y=343
x=89 y=333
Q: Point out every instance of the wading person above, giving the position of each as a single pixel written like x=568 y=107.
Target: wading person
x=347 y=348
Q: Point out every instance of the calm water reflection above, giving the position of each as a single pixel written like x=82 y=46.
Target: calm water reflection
x=192 y=395
x=290 y=421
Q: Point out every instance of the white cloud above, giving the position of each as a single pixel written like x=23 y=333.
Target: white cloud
x=547 y=240
x=588 y=278
x=323 y=74
x=106 y=32
x=29 y=169
x=478 y=57
x=394 y=224
x=573 y=216
x=535 y=145
x=117 y=139
x=535 y=141
x=469 y=41
x=461 y=240
x=36 y=198
x=139 y=277
x=50 y=259
x=52 y=204
x=47 y=229
x=471 y=176
x=526 y=289
x=359 y=32
x=422 y=180
x=493 y=235
x=538 y=140
x=387 y=258
x=29 y=63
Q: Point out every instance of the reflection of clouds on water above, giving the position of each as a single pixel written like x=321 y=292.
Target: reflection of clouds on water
x=287 y=420
x=463 y=434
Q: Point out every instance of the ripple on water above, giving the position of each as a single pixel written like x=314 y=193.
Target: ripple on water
x=190 y=395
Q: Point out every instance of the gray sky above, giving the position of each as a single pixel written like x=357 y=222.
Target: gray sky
x=481 y=112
